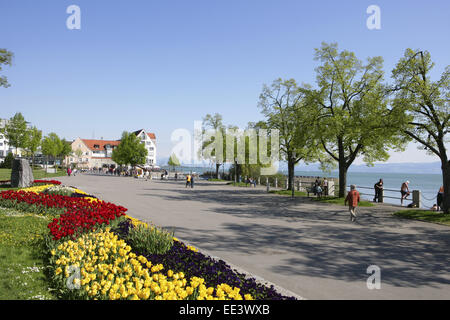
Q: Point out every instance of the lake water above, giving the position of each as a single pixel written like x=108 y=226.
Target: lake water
x=428 y=184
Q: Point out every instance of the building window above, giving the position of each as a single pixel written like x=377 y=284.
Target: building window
x=96 y=146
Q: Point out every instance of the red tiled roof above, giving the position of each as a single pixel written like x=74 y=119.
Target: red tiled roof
x=151 y=135
x=101 y=143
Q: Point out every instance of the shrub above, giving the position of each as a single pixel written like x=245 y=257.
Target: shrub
x=150 y=240
x=62 y=191
x=7 y=162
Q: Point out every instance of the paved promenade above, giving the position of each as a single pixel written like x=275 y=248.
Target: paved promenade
x=309 y=248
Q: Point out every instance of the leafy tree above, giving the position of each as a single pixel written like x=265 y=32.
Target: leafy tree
x=288 y=110
x=16 y=131
x=6 y=59
x=52 y=146
x=214 y=123
x=78 y=153
x=427 y=102
x=130 y=151
x=66 y=149
x=245 y=151
x=34 y=141
x=173 y=161
x=354 y=117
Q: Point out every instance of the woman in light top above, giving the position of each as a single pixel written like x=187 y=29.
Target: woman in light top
x=404 y=191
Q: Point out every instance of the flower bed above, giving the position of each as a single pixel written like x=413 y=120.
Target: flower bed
x=109 y=270
x=54 y=182
x=35 y=182
x=195 y=264
x=90 y=234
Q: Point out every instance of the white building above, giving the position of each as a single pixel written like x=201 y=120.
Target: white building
x=149 y=140
x=90 y=153
x=5 y=148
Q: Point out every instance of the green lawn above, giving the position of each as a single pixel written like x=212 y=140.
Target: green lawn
x=340 y=201
x=5 y=174
x=333 y=200
x=22 y=267
x=289 y=193
x=239 y=184
x=424 y=215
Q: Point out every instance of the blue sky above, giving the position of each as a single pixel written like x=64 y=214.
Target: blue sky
x=160 y=65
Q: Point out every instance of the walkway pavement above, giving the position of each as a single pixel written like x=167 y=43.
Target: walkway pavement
x=309 y=248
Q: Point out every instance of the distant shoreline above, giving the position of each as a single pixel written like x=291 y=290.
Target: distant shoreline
x=312 y=172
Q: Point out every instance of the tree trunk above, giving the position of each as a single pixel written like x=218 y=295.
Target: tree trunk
x=291 y=166
x=342 y=169
x=342 y=180
x=217 y=170
x=446 y=184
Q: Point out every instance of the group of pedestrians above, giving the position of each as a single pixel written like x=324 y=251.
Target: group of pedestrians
x=320 y=187
x=379 y=187
x=71 y=172
x=405 y=193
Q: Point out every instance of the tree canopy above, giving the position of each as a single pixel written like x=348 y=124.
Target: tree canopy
x=173 y=161
x=287 y=109
x=16 y=131
x=5 y=59
x=130 y=150
x=354 y=116
x=427 y=103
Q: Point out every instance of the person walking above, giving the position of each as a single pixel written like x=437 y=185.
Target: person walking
x=378 y=191
x=404 y=190
x=440 y=198
x=69 y=171
x=146 y=174
x=188 y=180
x=353 y=199
x=192 y=181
